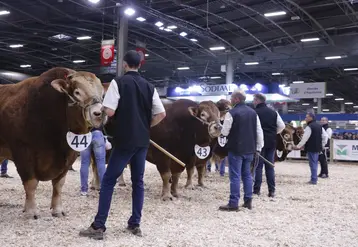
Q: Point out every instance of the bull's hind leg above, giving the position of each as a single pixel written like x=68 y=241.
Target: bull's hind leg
x=56 y=202
x=201 y=174
x=166 y=188
x=121 y=182
x=175 y=182
x=189 y=180
x=30 y=203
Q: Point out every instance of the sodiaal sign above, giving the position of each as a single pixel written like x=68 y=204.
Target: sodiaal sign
x=308 y=90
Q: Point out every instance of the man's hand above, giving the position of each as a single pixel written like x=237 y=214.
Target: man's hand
x=297 y=148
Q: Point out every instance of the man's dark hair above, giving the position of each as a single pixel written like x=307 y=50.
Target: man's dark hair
x=132 y=58
x=260 y=97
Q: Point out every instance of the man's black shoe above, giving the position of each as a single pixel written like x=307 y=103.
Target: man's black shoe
x=135 y=230
x=324 y=176
x=271 y=194
x=228 y=208
x=257 y=193
x=248 y=204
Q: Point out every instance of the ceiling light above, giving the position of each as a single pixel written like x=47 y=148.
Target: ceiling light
x=141 y=19
x=183 y=34
x=275 y=13
x=217 y=48
x=79 y=61
x=16 y=46
x=215 y=77
x=60 y=37
x=356 y=106
x=298 y=82
x=172 y=27
x=94 y=1
x=203 y=77
x=4 y=12
x=8 y=73
x=325 y=110
x=183 y=68
x=84 y=37
x=161 y=28
x=25 y=65
x=315 y=107
x=168 y=30
x=309 y=39
x=277 y=74
x=129 y=11
x=305 y=104
x=348 y=103
x=291 y=110
x=147 y=55
x=159 y=24
x=339 y=99
x=194 y=40
x=252 y=63
x=329 y=94
x=350 y=69
x=333 y=57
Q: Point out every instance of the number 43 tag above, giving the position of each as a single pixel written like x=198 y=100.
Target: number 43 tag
x=202 y=152
x=78 y=142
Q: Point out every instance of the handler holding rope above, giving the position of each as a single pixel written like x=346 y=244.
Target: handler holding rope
x=136 y=106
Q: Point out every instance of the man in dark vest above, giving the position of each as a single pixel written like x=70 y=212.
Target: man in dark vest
x=314 y=139
x=245 y=138
x=272 y=125
x=325 y=153
x=135 y=105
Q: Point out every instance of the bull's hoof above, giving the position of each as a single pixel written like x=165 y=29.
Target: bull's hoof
x=189 y=187
x=175 y=194
x=202 y=186
x=122 y=185
x=167 y=198
x=58 y=214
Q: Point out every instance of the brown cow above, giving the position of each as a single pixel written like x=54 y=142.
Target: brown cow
x=290 y=136
x=186 y=124
x=36 y=115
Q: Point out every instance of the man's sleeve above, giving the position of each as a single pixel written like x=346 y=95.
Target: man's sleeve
x=329 y=133
x=260 y=136
x=157 y=105
x=112 y=96
x=305 y=137
x=227 y=124
x=280 y=124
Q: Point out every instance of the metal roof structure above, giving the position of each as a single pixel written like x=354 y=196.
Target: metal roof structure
x=48 y=31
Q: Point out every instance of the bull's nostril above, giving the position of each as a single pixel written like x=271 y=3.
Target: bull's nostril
x=97 y=113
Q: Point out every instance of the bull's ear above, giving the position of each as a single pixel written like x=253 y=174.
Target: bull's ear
x=193 y=110
x=60 y=85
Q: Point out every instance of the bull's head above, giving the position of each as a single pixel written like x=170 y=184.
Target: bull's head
x=224 y=106
x=85 y=90
x=208 y=113
x=287 y=137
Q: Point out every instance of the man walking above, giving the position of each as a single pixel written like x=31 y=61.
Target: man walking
x=325 y=152
x=314 y=139
x=272 y=125
x=245 y=138
x=136 y=106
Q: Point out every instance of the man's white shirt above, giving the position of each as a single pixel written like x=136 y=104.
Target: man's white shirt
x=112 y=97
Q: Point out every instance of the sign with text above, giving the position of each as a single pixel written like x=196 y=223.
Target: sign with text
x=345 y=150
x=107 y=52
x=308 y=90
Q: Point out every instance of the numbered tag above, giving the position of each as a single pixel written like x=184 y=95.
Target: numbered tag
x=279 y=153
x=108 y=144
x=222 y=140
x=78 y=142
x=202 y=152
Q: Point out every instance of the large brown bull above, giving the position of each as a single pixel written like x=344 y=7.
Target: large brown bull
x=186 y=124
x=35 y=116
x=290 y=136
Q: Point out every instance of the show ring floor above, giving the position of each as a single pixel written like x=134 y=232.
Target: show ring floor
x=300 y=215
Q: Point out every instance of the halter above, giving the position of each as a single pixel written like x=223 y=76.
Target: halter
x=209 y=124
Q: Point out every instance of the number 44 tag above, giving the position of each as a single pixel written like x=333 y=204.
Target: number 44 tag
x=78 y=142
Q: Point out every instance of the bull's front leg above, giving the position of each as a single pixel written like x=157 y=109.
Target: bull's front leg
x=56 y=202
x=166 y=187
x=121 y=182
x=30 y=209
x=175 y=182
x=189 y=180
x=201 y=174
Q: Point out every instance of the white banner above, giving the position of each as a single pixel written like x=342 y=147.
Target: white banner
x=294 y=154
x=345 y=150
x=308 y=90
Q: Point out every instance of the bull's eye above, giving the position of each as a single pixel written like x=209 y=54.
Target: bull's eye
x=77 y=92
x=286 y=136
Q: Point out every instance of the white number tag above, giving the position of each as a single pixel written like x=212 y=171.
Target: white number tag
x=279 y=153
x=202 y=152
x=108 y=144
x=222 y=140
x=78 y=142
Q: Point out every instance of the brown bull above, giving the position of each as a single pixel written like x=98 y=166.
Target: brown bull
x=186 y=124
x=35 y=116
x=290 y=136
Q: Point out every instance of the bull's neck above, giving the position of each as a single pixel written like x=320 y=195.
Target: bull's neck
x=76 y=122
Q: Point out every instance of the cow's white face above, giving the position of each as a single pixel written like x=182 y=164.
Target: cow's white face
x=86 y=90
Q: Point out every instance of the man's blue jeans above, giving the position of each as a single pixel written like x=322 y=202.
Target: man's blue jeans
x=98 y=147
x=222 y=166
x=313 y=161
x=117 y=162
x=269 y=154
x=239 y=166
x=4 y=166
